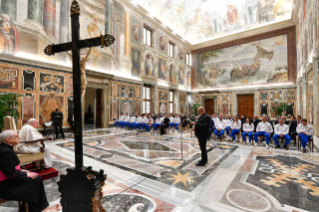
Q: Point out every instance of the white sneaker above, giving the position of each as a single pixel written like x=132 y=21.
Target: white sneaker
x=234 y=142
x=267 y=146
x=255 y=144
x=249 y=144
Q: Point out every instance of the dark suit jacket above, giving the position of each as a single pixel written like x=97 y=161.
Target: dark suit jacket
x=202 y=126
x=256 y=122
x=293 y=126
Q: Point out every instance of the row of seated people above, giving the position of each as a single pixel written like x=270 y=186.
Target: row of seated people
x=149 y=121
x=264 y=128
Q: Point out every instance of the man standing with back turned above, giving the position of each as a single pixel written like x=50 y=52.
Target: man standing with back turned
x=202 y=133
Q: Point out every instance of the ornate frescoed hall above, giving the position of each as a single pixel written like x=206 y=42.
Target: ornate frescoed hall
x=159 y=106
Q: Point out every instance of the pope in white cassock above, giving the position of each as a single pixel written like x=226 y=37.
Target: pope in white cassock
x=30 y=133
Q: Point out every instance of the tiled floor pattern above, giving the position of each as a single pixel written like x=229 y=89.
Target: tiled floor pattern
x=237 y=178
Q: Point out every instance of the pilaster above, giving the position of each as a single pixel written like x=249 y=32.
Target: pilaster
x=35 y=10
x=49 y=13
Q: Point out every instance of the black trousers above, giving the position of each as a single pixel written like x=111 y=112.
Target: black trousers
x=293 y=135
x=57 y=125
x=28 y=190
x=202 y=144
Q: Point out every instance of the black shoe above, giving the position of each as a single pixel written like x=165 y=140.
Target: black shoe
x=277 y=146
x=286 y=147
x=200 y=164
x=304 y=150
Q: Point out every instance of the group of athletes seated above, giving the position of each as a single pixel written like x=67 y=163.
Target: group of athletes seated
x=148 y=121
x=230 y=126
x=280 y=129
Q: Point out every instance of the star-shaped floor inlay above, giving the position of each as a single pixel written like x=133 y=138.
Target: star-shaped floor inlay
x=183 y=178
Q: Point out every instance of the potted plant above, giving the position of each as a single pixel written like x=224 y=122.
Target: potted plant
x=195 y=107
x=8 y=107
x=279 y=109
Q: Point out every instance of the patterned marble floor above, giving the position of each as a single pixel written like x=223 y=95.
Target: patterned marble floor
x=158 y=173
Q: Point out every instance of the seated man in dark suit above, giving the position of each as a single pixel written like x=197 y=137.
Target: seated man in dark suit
x=293 y=129
x=17 y=184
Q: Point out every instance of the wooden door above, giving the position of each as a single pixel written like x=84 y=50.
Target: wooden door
x=209 y=106
x=99 y=108
x=246 y=105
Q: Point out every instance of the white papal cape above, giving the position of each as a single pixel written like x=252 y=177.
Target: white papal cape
x=29 y=133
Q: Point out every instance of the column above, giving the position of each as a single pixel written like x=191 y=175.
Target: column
x=49 y=12
x=9 y=7
x=127 y=34
x=35 y=11
x=64 y=25
x=156 y=109
x=304 y=97
x=176 y=102
x=106 y=107
x=297 y=99
x=316 y=95
x=108 y=17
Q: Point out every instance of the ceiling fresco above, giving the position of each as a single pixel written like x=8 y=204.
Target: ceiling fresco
x=202 y=20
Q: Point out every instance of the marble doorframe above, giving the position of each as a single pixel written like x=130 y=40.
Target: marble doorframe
x=100 y=81
x=235 y=100
x=211 y=96
x=105 y=108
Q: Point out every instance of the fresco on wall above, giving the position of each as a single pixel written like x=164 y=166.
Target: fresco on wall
x=199 y=21
x=180 y=54
x=93 y=31
x=163 y=95
x=162 y=43
x=263 y=61
x=162 y=69
x=181 y=75
x=149 y=65
x=172 y=74
x=136 y=64
x=163 y=107
x=51 y=83
x=189 y=79
x=126 y=106
x=137 y=32
x=9 y=35
x=9 y=79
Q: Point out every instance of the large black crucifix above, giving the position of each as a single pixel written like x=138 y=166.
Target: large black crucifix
x=75 y=46
x=81 y=187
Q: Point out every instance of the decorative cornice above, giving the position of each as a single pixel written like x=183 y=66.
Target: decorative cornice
x=245 y=34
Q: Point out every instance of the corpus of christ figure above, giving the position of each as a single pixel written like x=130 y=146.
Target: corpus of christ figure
x=83 y=74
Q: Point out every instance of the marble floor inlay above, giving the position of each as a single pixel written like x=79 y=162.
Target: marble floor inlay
x=147 y=172
x=158 y=158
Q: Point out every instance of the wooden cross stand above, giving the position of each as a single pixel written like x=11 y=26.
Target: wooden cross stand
x=75 y=46
x=81 y=187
